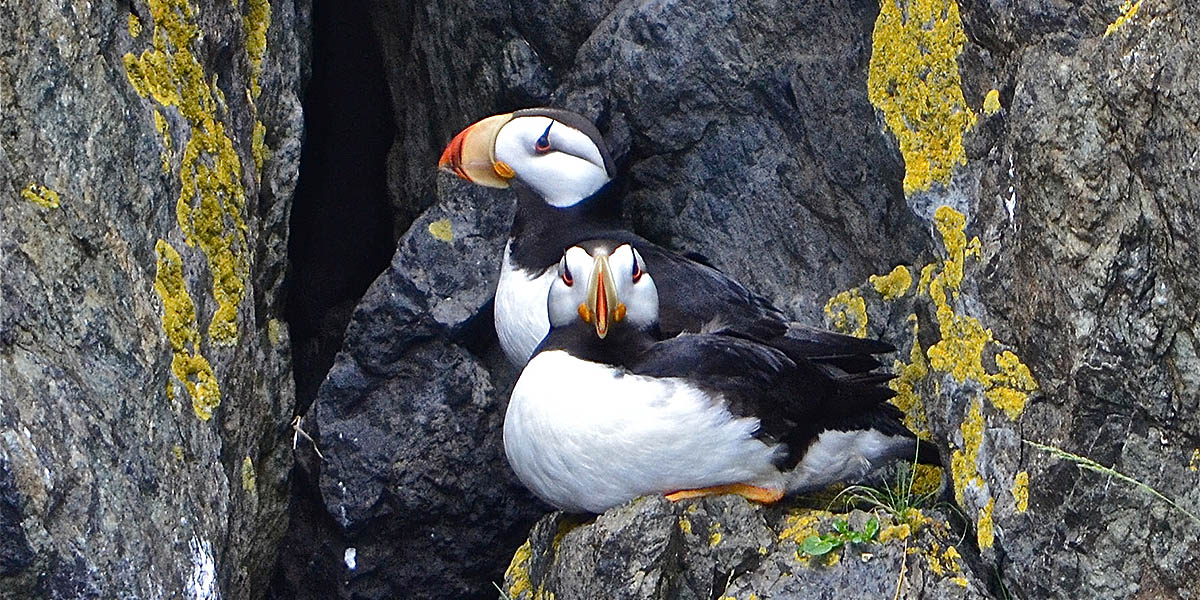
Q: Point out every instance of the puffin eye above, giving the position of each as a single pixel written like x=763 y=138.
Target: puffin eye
x=565 y=273
x=542 y=145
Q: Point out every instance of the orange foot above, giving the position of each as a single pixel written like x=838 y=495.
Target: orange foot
x=749 y=492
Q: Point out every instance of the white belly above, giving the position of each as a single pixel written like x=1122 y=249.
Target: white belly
x=586 y=437
x=520 y=310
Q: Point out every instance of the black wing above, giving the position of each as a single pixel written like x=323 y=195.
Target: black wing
x=794 y=400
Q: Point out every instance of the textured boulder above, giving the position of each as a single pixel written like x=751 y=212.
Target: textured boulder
x=1006 y=193
x=148 y=153
x=728 y=548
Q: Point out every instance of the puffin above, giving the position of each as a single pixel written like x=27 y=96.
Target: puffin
x=610 y=409
x=562 y=173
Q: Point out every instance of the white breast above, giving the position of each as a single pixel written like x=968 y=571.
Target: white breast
x=586 y=437
x=520 y=310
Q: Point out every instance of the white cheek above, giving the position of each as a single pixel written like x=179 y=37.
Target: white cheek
x=562 y=179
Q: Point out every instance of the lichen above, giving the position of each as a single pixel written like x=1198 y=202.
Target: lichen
x=963 y=465
x=211 y=200
x=249 y=477
x=714 y=535
x=255 y=25
x=441 y=230
x=985 y=533
x=274 y=331
x=685 y=525
x=991 y=103
x=188 y=365
x=135 y=25
x=1129 y=10
x=908 y=376
x=893 y=285
x=895 y=532
x=1194 y=464
x=177 y=452
x=847 y=312
x=914 y=80
x=164 y=130
x=258 y=145
x=518 y=572
x=802 y=523
x=1020 y=491
x=1011 y=385
x=40 y=195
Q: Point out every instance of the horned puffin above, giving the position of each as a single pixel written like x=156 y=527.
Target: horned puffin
x=561 y=170
x=607 y=410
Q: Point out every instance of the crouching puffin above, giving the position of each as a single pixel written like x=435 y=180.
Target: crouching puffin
x=606 y=411
x=561 y=170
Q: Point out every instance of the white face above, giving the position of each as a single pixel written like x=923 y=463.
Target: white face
x=559 y=162
x=630 y=294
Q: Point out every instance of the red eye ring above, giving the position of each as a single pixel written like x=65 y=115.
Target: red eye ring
x=566 y=277
x=637 y=271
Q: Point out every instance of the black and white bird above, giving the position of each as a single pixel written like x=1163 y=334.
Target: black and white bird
x=560 y=168
x=606 y=411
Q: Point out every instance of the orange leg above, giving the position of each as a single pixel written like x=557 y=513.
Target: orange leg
x=749 y=492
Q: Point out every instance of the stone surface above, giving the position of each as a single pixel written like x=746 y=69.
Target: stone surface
x=1030 y=165
x=124 y=312
x=728 y=548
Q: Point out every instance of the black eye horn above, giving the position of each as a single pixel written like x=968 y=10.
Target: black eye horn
x=543 y=143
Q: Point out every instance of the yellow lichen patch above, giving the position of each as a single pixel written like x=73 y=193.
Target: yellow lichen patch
x=518 y=572
x=799 y=525
x=685 y=525
x=164 y=130
x=249 y=477
x=211 y=199
x=991 y=103
x=177 y=452
x=255 y=25
x=441 y=230
x=1020 y=491
x=1129 y=10
x=894 y=284
x=179 y=323
x=1194 y=464
x=961 y=581
x=714 y=535
x=135 y=26
x=963 y=337
x=274 y=331
x=40 y=195
x=926 y=479
x=908 y=375
x=914 y=80
x=962 y=462
x=847 y=312
x=258 y=145
x=895 y=532
x=985 y=532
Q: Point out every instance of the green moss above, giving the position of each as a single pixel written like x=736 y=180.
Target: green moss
x=441 y=230
x=188 y=365
x=40 y=195
x=1129 y=9
x=894 y=284
x=847 y=311
x=913 y=79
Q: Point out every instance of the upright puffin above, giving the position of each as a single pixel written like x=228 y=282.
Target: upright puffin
x=606 y=411
x=561 y=170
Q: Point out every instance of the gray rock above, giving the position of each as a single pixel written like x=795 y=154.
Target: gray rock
x=726 y=547
x=764 y=135
x=116 y=479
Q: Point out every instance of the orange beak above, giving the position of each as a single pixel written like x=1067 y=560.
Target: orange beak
x=472 y=154
x=602 y=300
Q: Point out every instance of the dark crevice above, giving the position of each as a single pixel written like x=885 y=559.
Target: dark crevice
x=341 y=223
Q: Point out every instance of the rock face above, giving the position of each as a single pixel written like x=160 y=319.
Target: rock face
x=148 y=153
x=727 y=548
x=1006 y=193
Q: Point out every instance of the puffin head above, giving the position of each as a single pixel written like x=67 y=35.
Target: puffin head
x=557 y=153
x=603 y=283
